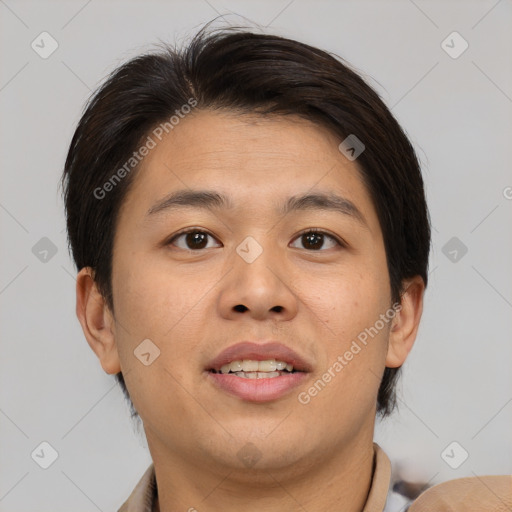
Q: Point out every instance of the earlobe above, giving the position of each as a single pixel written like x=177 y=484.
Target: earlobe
x=96 y=320
x=406 y=322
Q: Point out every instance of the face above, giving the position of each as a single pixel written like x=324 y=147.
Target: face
x=277 y=260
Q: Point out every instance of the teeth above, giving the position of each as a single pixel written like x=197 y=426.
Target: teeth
x=258 y=375
x=267 y=366
x=249 y=366
x=225 y=368
x=236 y=366
x=268 y=375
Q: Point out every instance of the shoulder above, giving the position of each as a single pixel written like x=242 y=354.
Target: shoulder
x=142 y=498
x=478 y=493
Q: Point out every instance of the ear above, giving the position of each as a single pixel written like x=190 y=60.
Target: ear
x=96 y=320
x=405 y=324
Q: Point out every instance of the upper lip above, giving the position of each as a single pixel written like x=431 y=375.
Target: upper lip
x=259 y=352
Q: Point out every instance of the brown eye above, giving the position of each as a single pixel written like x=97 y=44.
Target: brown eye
x=316 y=241
x=193 y=240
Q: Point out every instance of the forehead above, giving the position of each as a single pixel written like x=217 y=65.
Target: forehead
x=249 y=158
x=223 y=137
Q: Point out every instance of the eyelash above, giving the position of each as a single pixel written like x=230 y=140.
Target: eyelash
x=308 y=231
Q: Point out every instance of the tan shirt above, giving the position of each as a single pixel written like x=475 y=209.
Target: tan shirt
x=479 y=494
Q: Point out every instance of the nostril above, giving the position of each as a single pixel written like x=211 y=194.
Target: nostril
x=240 y=308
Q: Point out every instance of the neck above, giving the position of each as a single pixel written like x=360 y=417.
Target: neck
x=340 y=482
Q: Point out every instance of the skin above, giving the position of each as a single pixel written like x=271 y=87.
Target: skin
x=311 y=455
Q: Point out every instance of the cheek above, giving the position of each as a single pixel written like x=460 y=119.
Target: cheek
x=354 y=342
x=347 y=302
x=150 y=303
x=172 y=309
x=153 y=302
x=349 y=308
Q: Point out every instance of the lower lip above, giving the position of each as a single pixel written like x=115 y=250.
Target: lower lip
x=258 y=390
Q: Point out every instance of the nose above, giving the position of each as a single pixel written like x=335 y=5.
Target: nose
x=259 y=290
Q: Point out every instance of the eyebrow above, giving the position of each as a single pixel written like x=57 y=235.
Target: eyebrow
x=190 y=198
x=213 y=200
x=327 y=202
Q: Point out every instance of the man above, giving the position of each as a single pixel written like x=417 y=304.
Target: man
x=251 y=233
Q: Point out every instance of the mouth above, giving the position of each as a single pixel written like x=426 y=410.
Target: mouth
x=257 y=372
x=254 y=369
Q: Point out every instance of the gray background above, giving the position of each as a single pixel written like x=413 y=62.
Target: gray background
x=457 y=111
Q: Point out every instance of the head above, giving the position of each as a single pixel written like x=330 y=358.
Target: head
x=246 y=135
